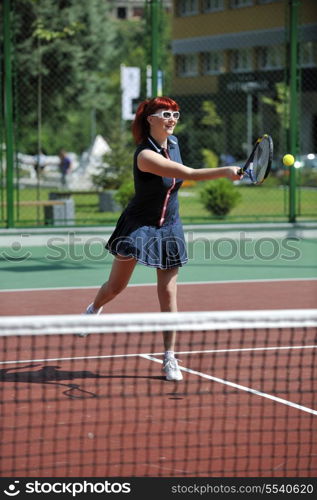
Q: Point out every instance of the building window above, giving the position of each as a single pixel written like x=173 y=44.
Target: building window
x=121 y=13
x=187 y=7
x=241 y=60
x=137 y=11
x=187 y=65
x=213 y=63
x=240 y=3
x=271 y=58
x=308 y=54
x=212 y=5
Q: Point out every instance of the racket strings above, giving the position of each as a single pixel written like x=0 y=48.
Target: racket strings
x=258 y=164
x=261 y=161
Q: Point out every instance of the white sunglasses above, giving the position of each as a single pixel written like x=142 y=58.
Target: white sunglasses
x=167 y=115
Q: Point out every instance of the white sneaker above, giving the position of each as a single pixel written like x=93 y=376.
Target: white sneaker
x=89 y=310
x=171 y=369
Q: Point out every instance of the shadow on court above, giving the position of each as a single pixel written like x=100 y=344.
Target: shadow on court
x=53 y=374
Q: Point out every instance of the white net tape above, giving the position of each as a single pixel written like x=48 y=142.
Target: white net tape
x=153 y=322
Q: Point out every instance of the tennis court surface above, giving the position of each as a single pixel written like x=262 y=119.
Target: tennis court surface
x=99 y=406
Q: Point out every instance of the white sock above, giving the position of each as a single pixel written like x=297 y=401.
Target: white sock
x=169 y=354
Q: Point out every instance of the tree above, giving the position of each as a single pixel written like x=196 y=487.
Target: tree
x=201 y=133
x=67 y=57
x=64 y=50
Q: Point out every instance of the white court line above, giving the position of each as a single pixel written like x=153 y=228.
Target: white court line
x=238 y=386
x=92 y=287
x=107 y=356
x=193 y=372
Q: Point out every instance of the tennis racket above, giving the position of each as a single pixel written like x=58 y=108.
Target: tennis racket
x=258 y=165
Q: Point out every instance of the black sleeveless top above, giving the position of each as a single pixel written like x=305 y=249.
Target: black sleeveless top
x=149 y=229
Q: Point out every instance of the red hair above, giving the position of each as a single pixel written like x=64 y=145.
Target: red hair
x=140 y=125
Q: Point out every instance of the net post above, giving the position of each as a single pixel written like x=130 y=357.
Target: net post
x=8 y=118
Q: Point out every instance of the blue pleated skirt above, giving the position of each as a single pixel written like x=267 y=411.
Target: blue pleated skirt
x=161 y=247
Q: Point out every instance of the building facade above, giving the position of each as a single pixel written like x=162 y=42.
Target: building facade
x=235 y=51
x=129 y=9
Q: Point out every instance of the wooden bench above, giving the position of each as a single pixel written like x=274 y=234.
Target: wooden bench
x=35 y=203
x=60 y=194
x=55 y=211
x=39 y=203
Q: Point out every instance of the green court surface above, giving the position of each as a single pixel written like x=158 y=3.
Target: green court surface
x=75 y=260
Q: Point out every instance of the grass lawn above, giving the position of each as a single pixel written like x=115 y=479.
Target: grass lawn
x=258 y=203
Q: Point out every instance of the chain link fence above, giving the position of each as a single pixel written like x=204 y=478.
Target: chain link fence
x=232 y=78
x=225 y=61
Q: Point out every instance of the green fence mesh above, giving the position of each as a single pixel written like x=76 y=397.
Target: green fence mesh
x=227 y=63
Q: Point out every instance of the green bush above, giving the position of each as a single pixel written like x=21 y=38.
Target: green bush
x=219 y=196
x=125 y=193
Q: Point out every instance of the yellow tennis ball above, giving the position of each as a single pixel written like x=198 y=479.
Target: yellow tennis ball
x=288 y=160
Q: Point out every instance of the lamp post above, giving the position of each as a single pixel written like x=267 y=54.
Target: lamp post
x=249 y=88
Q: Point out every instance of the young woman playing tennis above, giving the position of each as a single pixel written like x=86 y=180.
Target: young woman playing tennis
x=149 y=230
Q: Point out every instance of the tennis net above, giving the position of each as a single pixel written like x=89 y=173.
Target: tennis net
x=99 y=405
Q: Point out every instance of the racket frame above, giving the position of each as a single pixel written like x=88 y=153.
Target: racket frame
x=245 y=169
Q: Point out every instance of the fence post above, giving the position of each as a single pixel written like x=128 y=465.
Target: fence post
x=293 y=114
x=154 y=45
x=8 y=119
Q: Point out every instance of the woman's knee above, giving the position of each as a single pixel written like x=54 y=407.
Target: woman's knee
x=121 y=271
x=167 y=295
x=168 y=289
